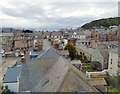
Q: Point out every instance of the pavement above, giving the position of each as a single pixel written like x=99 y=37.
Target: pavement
x=46 y=44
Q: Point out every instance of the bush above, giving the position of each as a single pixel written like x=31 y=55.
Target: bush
x=112 y=90
x=87 y=68
x=113 y=84
x=96 y=76
x=7 y=91
x=96 y=65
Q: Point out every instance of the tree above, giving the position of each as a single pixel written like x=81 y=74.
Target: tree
x=7 y=91
x=72 y=50
x=102 y=22
x=78 y=56
x=112 y=90
x=96 y=65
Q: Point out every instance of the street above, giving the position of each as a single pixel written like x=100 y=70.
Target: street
x=46 y=44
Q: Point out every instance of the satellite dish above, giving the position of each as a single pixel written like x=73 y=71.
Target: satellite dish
x=2 y=51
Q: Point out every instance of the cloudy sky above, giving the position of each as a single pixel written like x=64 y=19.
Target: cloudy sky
x=54 y=15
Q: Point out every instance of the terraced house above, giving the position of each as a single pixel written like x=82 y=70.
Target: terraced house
x=6 y=40
x=114 y=65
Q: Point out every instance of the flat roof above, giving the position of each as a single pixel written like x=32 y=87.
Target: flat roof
x=98 y=81
x=12 y=74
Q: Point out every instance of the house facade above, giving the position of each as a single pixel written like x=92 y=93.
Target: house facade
x=83 y=42
x=101 y=55
x=80 y=35
x=6 y=40
x=87 y=51
x=23 y=40
x=57 y=35
x=113 y=66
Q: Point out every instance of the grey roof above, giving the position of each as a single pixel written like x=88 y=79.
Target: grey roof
x=47 y=33
x=12 y=74
x=39 y=34
x=52 y=79
x=51 y=73
x=105 y=53
x=7 y=30
x=80 y=33
x=34 y=69
x=7 y=34
x=109 y=43
x=87 y=32
x=83 y=41
x=56 y=33
x=85 y=49
x=50 y=54
x=114 y=50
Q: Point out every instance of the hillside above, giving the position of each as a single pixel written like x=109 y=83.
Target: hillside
x=102 y=22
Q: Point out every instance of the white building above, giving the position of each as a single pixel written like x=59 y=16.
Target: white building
x=11 y=78
x=113 y=66
x=65 y=41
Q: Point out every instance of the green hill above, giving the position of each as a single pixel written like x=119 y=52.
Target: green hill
x=102 y=22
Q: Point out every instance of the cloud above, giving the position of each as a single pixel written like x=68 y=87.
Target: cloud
x=54 y=15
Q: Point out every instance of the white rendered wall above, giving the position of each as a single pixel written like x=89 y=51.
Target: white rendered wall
x=12 y=86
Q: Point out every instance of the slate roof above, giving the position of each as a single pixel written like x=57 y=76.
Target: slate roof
x=56 y=34
x=39 y=35
x=6 y=34
x=52 y=73
x=87 y=32
x=7 y=30
x=50 y=54
x=85 y=49
x=33 y=70
x=12 y=74
x=47 y=33
x=80 y=33
x=55 y=76
x=83 y=40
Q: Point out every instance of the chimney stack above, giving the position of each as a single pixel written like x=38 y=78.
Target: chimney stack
x=23 y=59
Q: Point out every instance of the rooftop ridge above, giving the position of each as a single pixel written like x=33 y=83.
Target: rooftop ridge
x=81 y=76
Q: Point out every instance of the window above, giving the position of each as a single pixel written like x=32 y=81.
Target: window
x=111 y=61
x=119 y=64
